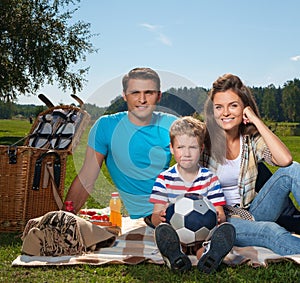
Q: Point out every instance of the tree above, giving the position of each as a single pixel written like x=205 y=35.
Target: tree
x=6 y=110
x=269 y=104
x=39 y=46
x=258 y=93
x=291 y=100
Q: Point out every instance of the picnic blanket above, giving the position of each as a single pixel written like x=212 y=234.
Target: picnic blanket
x=137 y=245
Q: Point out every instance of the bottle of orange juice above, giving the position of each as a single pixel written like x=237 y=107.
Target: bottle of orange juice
x=115 y=209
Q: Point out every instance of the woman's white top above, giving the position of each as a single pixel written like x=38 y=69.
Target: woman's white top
x=228 y=174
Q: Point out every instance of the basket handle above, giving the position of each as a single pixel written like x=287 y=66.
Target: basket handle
x=48 y=103
x=79 y=100
x=57 y=198
x=12 y=154
x=38 y=169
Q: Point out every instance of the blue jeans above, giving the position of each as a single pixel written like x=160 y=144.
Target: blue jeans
x=267 y=206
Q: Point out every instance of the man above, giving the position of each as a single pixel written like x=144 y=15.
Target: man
x=134 y=145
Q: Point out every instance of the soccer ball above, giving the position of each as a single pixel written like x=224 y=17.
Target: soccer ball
x=193 y=217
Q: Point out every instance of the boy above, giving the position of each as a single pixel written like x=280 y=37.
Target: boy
x=187 y=142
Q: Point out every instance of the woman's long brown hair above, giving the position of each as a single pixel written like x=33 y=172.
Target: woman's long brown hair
x=215 y=141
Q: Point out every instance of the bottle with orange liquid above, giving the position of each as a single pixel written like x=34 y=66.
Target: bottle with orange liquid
x=115 y=209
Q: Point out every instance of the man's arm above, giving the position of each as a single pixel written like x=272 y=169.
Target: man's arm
x=83 y=183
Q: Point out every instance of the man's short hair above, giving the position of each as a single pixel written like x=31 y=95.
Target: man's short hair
x=141 y=74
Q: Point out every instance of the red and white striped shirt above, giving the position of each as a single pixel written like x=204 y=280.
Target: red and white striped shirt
x=169 y=185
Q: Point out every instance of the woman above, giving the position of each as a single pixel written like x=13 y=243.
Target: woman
x=238 y=140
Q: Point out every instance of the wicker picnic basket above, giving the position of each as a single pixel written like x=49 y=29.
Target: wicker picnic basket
x=20 y=200
x=32 y=175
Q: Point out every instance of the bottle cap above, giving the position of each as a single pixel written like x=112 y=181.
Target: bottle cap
x=115 y=194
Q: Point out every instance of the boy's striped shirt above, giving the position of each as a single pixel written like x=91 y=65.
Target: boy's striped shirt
x=169 y=185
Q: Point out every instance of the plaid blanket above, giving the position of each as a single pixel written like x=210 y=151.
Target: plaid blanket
x=136 y=245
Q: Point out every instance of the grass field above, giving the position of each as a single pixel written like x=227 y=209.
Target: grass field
x=10 y=243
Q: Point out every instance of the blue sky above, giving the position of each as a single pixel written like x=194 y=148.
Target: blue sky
x=192 y=41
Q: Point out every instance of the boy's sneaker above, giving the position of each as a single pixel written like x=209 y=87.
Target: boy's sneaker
x=169 y=246
x=218 y=247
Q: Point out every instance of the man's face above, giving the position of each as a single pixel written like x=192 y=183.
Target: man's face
x=141 y=97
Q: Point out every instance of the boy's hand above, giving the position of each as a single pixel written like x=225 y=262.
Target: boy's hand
x=159 y=213
x=162 y=215
x=220 y=214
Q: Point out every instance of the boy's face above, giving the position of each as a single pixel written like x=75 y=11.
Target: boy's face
x=186 y=152
x=141 y=97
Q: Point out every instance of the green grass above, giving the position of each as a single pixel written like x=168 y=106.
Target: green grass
x=293 y=143
x=10 y=243
x=12 y=131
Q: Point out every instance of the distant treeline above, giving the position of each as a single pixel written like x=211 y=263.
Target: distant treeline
x=280 y=104
x=275 y=104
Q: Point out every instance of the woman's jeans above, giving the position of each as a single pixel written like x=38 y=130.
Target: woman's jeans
x=267 y=206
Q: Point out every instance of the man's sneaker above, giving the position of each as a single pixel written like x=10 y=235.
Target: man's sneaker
x=169 y=246
x=219 y=246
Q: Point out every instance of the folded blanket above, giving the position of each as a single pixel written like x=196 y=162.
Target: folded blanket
x=137 y=245
x=60 y=233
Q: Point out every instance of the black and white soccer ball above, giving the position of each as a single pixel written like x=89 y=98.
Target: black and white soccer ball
x=193 y=217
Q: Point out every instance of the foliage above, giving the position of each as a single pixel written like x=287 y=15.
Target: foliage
x=181 y=101
x=9 y=110
x=275 y=104
x=195 y=97
x=284 y=128
x=291 y=100
x=178 y=104
x=118 y=105
x=6 y=109
x=279 y=104
x=269 y=107
x=38 y=45
x=94 y=110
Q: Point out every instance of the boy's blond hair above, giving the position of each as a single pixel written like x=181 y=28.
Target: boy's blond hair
x=188 y=126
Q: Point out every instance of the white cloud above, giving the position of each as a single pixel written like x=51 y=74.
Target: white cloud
x=155 y=29
x=150 y=27
x=164 y=39
x=295 y=58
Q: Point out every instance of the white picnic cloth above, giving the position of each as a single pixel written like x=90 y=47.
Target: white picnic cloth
x=136 y=245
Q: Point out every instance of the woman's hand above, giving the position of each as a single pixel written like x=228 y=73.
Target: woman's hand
x=248 y=115
x=281 y=155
